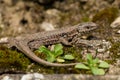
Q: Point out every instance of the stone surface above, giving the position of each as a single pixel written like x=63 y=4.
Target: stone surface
x=118 y=31
x=116 y=23
x=47 y=26
x=58 y=77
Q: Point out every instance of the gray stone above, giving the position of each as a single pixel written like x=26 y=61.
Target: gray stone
x=118 y=31
x=59 y=77
x=116 y=23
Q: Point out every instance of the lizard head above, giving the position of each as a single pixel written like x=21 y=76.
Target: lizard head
x=86 y=27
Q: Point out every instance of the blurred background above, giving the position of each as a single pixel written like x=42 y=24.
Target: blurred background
x=30 y=16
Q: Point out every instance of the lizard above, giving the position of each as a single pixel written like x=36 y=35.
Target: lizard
x=27 y=43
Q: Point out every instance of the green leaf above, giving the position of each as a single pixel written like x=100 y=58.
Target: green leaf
x=97 y=71
x=60 y=60
x=96 y=60
x=104 y=64
x=89 y=56
x=58 y=47
x=69 y=57
x=81 y=66
x=45 y=50
x=58 y=50
x=58 y=53
x=50 y=57
x=89 y=59
x=42 y=49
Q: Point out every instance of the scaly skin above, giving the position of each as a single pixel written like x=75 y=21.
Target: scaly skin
x=64 y=35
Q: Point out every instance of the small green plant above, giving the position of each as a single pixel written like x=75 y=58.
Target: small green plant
x=55 y=53
x=96 y=66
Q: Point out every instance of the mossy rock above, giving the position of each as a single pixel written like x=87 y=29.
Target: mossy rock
x=115 y=49
x=106 y=15
x=104 y=19
x=12 y=59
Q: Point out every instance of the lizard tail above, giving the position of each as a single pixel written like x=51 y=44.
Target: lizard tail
x=26 y=50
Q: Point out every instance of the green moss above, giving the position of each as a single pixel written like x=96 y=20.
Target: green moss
x=104 y=19
x=12 y=59
x=75 y=51
x=55 y=70
x=115 y=49
x=106 y=15
x=85 y=19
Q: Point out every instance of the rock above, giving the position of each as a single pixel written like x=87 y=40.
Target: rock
x=106 y=44
x=68 y=76
x=118 y=61
x=8 y=2
x=27 y=77
x=116 y=23
x=101 y=50
x=6 y=78
x=35 y=76
x=38 y=76
x=47 y=26
x=4 y=40
x=52 y=16
x=118 y=31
